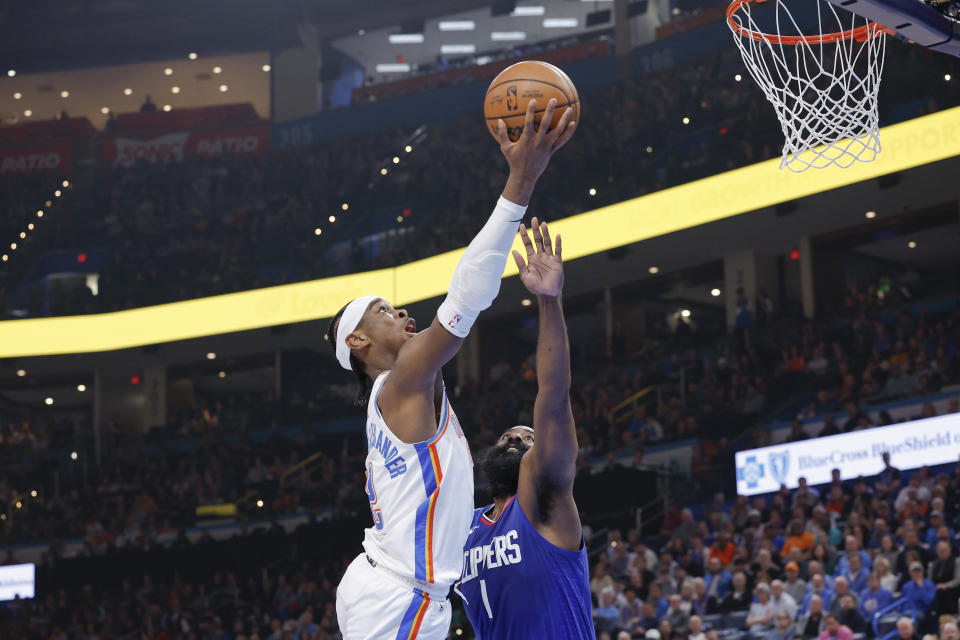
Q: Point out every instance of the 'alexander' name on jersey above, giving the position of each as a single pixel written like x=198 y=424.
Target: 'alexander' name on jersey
x=392 y=460
x=502 y=551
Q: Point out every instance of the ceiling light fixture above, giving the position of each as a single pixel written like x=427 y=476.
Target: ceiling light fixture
x=560 y=23
x=508 y=36
x=405 y=38
x=457 y=25
x=523 y=12
x=455 y=49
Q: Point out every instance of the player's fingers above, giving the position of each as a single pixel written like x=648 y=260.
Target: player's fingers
x=561 y=126
x=527 y=243
x=558 y=249
x=537 y=236
x=547 y=245
x=502 y=133
x=563 y=139
x=528 y=120
x=521 y=265
x=546 y=120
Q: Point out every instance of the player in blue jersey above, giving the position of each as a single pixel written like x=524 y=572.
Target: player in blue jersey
x=525 y=572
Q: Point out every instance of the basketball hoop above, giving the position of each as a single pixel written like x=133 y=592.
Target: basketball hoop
x=823 y=87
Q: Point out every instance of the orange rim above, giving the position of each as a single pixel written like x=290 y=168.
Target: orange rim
x=860 y=34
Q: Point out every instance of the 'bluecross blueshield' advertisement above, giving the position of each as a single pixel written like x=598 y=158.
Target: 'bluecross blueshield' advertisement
x=911 y=445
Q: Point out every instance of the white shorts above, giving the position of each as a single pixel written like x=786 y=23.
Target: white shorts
x=372 y=606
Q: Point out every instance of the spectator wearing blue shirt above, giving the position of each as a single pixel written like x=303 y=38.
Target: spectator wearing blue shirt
x=919 y=590
x=852 y=545
x=607 y=614
x=815 y=567
x=887 y=482
x=933 y=531
x=655 y=598
x=717 y=579
x=784 y=629
x=873 y=598
x=817 y=587
x=631 y=610
x=856 y=574
x=648 y=618
x=307 y=627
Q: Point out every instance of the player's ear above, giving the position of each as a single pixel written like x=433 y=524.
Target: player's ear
x=357 y=340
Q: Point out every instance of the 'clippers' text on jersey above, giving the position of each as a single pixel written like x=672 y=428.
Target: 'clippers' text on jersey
x=500 y=552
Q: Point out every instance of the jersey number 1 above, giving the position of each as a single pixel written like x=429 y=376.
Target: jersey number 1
x=486 y=601
x=372 y=496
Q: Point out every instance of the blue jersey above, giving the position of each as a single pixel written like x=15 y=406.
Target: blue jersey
x=517 y=586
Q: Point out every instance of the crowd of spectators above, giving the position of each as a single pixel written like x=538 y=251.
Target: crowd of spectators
x=285 y=594
x=144 y=492
x=712 y=392
x=814 y=562
x=216 y=225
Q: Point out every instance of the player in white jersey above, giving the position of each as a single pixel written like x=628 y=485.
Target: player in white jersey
x=419 y=467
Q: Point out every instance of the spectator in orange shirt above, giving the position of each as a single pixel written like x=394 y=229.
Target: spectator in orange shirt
x=802 y=540
x=837 y=501
x=723 y=549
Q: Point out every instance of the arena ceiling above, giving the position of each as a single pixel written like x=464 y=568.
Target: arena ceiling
x=58 y=34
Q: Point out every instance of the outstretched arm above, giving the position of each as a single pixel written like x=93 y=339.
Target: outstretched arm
x=545 y=489
x=408 y=395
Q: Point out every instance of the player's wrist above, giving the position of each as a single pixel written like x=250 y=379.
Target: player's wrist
x=519 y=187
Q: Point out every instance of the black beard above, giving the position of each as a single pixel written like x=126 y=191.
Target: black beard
x=502 y=468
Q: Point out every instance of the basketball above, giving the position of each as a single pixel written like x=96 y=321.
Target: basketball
x=513 y=89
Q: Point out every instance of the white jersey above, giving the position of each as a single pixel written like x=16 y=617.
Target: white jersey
x=421 y=496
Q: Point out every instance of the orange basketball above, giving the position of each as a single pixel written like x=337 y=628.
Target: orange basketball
x=512 y=90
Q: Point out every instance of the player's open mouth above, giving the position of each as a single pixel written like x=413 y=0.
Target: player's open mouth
x=411 y=326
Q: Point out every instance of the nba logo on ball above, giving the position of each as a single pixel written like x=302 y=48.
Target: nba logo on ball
x=510 y=93
x=512 y=102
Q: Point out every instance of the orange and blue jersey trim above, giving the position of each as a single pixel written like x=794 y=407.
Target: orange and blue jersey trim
x=413 y=616
x=487 y=521
x=432 y=477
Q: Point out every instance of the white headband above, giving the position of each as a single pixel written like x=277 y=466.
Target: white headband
x=348 y=324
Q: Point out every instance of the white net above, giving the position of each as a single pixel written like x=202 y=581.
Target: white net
x=823 y=86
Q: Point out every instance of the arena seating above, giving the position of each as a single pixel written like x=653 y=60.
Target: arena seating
x=240 y=222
